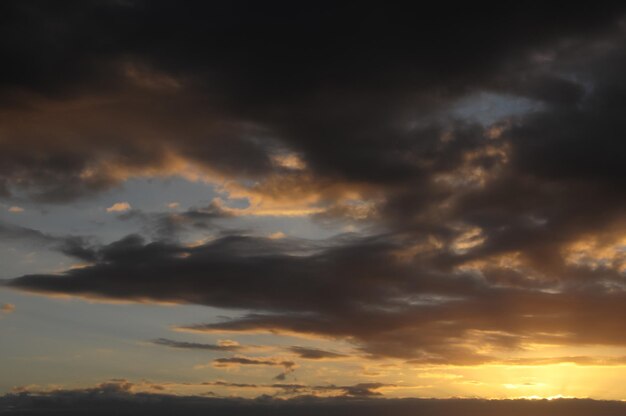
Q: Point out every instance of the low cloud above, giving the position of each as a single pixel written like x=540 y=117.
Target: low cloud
x=118 y=397
x=289 y=366
x=119 y=207
x=314 y=353
x=7 y=308
x=359 y=289
x=220 y=346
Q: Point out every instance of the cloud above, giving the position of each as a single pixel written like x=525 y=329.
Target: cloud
x=363 y=389
x=289 y=366
x=80 y=247
x=314 y=353
x=119 y=207
x=7 y=308
x=236 y=361
x=221 y=346
x=360 y=390
x=170 y=225
x=277 y=235
x=118 y=397
x=483 y=236
x=356 y=289
x=233 y=109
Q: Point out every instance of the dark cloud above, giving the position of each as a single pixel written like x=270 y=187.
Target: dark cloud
x=226 y=362
x=357 y=390
x=227 y=384
x=289 y=366
x=363 y=389
x=314 y=353
x=119 y=399
x=360 y=289
x=107 y=90
x=196 y=346
x=79 y=247
x=170 y=225
x=497 y=233
x=262 y=268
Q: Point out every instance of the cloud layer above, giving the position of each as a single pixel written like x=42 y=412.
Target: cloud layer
x=119 y=397
x=485 y=235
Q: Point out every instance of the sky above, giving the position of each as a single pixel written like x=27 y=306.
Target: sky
x=289 y=200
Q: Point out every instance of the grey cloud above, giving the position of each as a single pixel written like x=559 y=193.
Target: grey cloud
x=170 y=225
x=195 y=345
x=80 y=247
x=251 y=361
x=358 y=290
x=314 y=353
x=289 y=366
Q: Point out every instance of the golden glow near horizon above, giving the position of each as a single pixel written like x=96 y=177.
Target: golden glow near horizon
x=540 y=371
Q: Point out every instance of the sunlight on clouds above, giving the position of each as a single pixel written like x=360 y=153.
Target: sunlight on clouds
x=145 y=77
x=431 y=245
x=289 y=161
x=473 y=171
x=468 y=239
x=276 y=235
x=273 y=197
x=596 y=252
x=7 y=308
x=119 y=207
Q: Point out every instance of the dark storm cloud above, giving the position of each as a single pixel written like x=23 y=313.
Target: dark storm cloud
x=118 y=399
x=106 y=90
x=70 y=40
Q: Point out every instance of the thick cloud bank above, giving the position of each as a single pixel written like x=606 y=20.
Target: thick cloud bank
x=488 y=229
x=107 y=400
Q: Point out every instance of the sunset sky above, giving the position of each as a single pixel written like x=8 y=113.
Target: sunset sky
x=238 y=199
